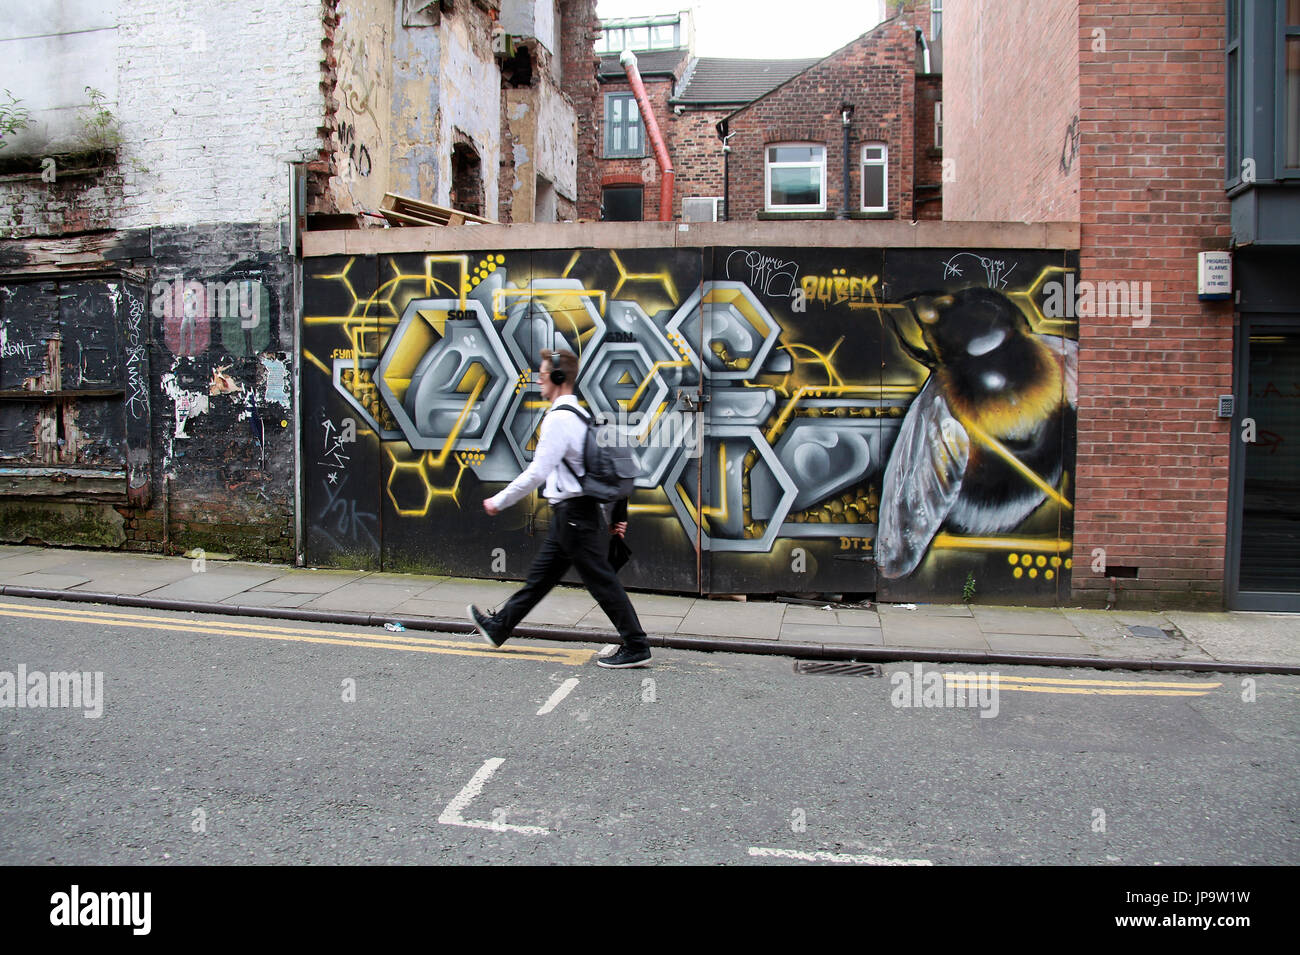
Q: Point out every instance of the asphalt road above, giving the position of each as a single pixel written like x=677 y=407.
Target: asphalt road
x=238 y=740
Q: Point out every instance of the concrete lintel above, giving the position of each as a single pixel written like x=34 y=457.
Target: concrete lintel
x=624 y=235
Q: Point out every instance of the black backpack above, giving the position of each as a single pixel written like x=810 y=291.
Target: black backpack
x=611 y=467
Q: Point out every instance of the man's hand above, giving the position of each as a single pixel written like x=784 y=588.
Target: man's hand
x=491 y=508
x=619 y=529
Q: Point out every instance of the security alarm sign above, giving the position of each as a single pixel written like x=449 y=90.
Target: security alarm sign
x=1214 y=276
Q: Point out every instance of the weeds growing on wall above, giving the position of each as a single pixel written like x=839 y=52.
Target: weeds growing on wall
x=13 y=117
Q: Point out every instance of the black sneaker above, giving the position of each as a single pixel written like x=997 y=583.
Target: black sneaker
x=483 y=624
x=625 y=659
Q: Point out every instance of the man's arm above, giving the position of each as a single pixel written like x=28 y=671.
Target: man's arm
x=547 y=457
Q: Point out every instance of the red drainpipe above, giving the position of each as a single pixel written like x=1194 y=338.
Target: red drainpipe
x=628 y=60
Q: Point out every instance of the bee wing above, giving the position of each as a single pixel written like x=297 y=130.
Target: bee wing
x=1067 y=353
x=922 y=481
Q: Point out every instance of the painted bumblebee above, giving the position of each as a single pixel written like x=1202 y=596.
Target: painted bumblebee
x=981 y=447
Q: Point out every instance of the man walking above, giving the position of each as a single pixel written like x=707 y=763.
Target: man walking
x=577 y=536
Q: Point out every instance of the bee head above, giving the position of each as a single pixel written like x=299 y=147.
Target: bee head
x=966 y=324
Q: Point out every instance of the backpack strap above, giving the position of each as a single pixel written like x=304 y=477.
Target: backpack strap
x=587 y=421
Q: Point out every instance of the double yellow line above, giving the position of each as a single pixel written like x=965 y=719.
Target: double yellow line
x=1084 y=687
x=386 y=641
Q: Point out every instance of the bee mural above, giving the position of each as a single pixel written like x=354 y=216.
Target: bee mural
x=980 y=447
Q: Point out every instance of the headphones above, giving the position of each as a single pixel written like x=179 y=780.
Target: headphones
x=558 y=377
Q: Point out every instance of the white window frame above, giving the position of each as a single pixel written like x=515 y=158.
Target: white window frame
x=768 y=165
x=883 y=163
x=938 y=124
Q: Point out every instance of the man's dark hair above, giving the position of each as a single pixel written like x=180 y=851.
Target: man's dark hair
x=565 y=361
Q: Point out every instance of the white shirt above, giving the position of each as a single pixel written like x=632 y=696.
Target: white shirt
x=563 y=438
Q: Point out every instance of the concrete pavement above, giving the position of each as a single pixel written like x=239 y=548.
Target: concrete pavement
x=1247 y=642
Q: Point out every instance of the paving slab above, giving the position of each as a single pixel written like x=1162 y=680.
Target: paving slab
x=753 y=621
x=651 y=623
x=804 y=633
x=924 y=610
x=482 y=593
x=365 y=597
x=858 y=618
x=562 y=609
x=662 y=605
x=419 y=607
x=1017 y=620
x=50 y=581
x=129 y=584
x=271 y=598
x=217 y=586
x=18 y=564
x=953 y=633
x=311 y=581
x=1112 y=623
x=1046 y=643
x=1237 y=635
x=808 y=615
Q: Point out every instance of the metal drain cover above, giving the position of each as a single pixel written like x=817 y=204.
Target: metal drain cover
x=1150 y=632
x=816 y=668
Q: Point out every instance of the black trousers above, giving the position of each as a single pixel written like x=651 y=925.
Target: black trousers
x=579 y=537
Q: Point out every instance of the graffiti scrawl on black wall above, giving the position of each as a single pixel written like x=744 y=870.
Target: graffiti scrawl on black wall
x=807 y=420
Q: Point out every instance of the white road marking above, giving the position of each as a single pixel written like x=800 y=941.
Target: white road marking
x=834 y=857
x=451 y=816
x=609 y=649
x=560 y=693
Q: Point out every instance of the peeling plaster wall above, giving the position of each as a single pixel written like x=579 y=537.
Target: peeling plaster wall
x=557 y=141
x=470 y=81
x=364 y=96
x=443 y=78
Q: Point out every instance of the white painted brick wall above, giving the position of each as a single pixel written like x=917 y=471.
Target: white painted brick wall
x=214 y=101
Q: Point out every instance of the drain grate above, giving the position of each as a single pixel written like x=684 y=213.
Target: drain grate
x=815 y=668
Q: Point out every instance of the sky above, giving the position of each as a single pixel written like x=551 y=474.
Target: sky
x=772 y=29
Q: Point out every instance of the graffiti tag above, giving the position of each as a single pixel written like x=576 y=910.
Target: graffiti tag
x=335 y=438
x=838 y=289
x=1070 y=148
x=996 y=271
x=347 y=521
x=137 y=389
x=19 y=349
x=765 y=274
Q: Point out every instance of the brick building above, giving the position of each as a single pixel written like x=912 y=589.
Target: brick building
x=853 y=136
x=150 y=217
x=1166 y=131
x=784 y=123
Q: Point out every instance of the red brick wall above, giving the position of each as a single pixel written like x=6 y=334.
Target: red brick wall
x=579 y=65
x=928 y=161
x=1153 y=457
x=697 y=155
x=876 y=73
x=1011 y=92
x=630 y=171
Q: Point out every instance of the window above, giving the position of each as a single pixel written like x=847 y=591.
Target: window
x=938 y=124
x=875 y=177
x=621 y=204
x=936 y=19
x=795 y=177
x=702 y=209
x=624 y=135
